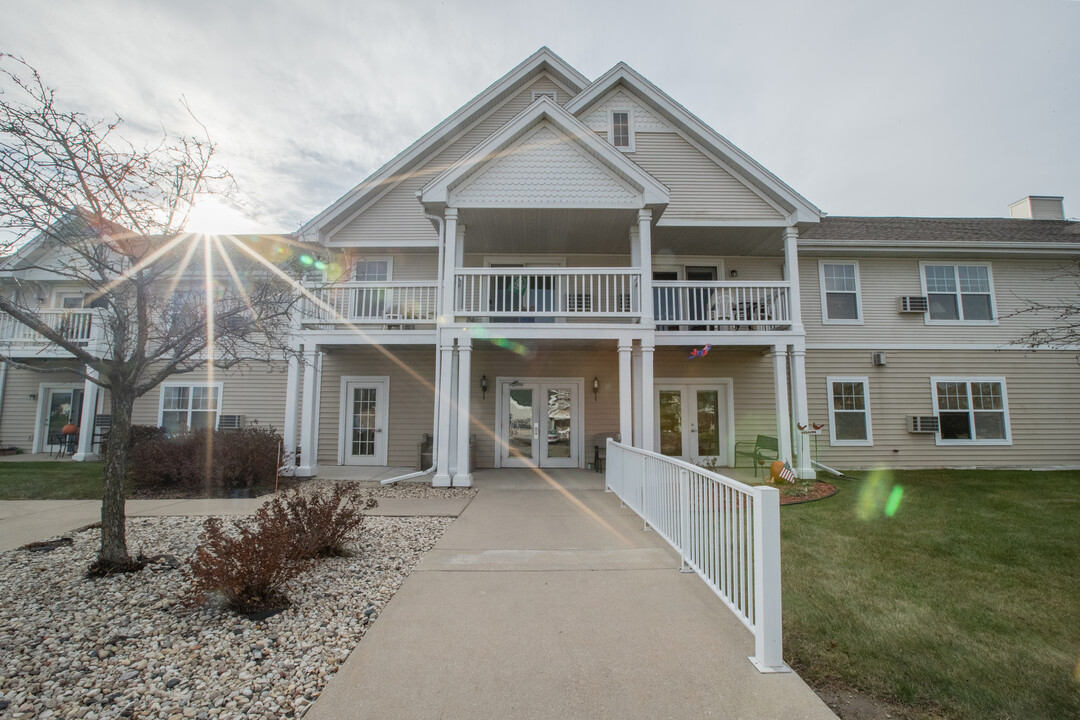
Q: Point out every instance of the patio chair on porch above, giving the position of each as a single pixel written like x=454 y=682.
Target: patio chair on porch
x=764 y=450
x=600 y=449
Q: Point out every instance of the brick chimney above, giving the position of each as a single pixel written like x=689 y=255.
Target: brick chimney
x=1039 y=207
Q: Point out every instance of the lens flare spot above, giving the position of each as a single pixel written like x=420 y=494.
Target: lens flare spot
x=307 y=260
x=320 y=265
x=893 y=503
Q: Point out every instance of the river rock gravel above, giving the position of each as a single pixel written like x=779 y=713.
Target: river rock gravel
x=125 y=646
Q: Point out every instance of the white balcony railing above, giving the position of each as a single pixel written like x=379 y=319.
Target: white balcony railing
x=380 y=303
x=548 y=292
x=725 y=531
x=683 y=305
x=79 y=326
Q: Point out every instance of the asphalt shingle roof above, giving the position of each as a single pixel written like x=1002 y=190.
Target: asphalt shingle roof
x=894 y=230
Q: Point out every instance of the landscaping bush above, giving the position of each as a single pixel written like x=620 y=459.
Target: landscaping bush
x=244 y=570
x=221 y=461
x=322 y=522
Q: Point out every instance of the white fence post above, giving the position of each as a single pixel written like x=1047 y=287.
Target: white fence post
x=684 y=518
x=768 y=644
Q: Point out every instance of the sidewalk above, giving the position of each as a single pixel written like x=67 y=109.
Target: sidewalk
x=546 y=600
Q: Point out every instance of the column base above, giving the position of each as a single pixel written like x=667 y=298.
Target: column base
x=806 y=473
x=304 y=471
x=440 y=481
x=463 y=480
x=84 y=457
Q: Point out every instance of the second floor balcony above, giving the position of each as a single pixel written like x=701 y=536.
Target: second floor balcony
x=82 y=327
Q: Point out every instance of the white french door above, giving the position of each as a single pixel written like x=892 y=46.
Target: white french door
x=364 y=411
x=693 y=420
x=539 y=422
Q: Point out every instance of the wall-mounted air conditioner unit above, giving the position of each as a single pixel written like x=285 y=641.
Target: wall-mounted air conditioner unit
x=922 y=423
x=913 y=304
x=231 y=422
x=878 y=358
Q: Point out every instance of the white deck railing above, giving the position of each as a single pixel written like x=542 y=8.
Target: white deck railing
x=79 y=326
x=726 y=531
x=548 y=292
x=383 y=303
x=721 y=305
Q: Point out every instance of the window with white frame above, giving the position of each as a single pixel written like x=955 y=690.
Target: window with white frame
x=971 y=410
x=189 y=406
x=959 y=293
x=620 y=130
x=840 y=302
x=849 y=411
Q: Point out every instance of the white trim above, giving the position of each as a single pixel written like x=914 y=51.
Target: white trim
x=825 y=319
x=382 y=416
x=833 y=441
x=924 y=247
x=629 y=112
x=220 y=385
x=692 y=383
x=968 y=379
x=577 y=448
x=526 y=260
x=959 y=294
x=886 y=345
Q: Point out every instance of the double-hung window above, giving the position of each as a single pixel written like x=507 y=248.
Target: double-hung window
x=849 y=411
x=959 y=293
x=189 y=406
x=840 y=301
x=971 y=410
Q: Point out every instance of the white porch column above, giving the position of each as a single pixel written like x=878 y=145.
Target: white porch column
x=791 y=274
x=648 y=406
x=309 y=420
x=450 y=260
x=445 y=380
x=780 y=387
x=463 y=476
x=800 y=441
x=635 y=372
x=86 y=421
x=292 y=400
x=645 y=243
x=626 y=402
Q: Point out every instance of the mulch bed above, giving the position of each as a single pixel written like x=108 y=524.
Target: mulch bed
x=794 y=494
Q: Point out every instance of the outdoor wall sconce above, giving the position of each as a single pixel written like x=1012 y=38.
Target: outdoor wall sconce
x=32 y=397
x=483 y=386
x=734 y=273
x=595 y=387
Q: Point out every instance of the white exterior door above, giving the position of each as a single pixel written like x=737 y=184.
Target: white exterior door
x=540 y=422
x=63 y=406
x=364 y=415
x=693 y=421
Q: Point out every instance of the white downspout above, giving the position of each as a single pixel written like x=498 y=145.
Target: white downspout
x=438 y=363
x=3 y=385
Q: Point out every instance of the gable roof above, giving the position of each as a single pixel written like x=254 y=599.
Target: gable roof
x=543 y=60
x=437 y=193
x=893 y=233
x=800 y=208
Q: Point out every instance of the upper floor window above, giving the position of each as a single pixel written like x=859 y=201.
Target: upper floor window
x=840 y=301
x=959 y=293
x=621 y=132
x=371 y=270
x=971 y=410
x=189 y=406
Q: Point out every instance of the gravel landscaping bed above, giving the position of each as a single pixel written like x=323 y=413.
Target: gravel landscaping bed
x=125 y=646
x=403 y=489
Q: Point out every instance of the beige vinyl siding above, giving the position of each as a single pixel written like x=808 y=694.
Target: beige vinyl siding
x=411 y=370
x=883 y=280
x=700 y=189
x=1043 y=395
x=256 y=392
x=19 y=412
x=416 y=267
x=397 y=215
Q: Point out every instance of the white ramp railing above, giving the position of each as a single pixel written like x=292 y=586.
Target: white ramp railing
x=726 y=531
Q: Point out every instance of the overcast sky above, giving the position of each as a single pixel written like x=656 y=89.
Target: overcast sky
x=940 y=108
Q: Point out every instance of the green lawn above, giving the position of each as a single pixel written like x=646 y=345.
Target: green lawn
x=50 y=481
x=964 y=602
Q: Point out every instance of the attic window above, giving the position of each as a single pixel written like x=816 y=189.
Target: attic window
x=620 y=133
x=553 y=94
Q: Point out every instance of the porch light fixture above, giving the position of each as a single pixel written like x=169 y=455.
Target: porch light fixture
x=734 y=273
x=483 y=386
x=595 y=387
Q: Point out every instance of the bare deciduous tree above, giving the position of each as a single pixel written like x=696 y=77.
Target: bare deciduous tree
x=85 y=207
x=1058 y=319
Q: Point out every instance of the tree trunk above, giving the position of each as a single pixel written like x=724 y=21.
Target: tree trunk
x=113 y=521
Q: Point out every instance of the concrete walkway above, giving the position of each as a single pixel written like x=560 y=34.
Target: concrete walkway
x=546 y=600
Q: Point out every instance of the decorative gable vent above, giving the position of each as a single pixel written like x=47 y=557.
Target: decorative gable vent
x=231 y=422
x=913 y=304
x=553 y=94
x=922 y=423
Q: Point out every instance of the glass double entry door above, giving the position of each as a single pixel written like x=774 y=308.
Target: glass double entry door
x=692 y=421
x=540 y=423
